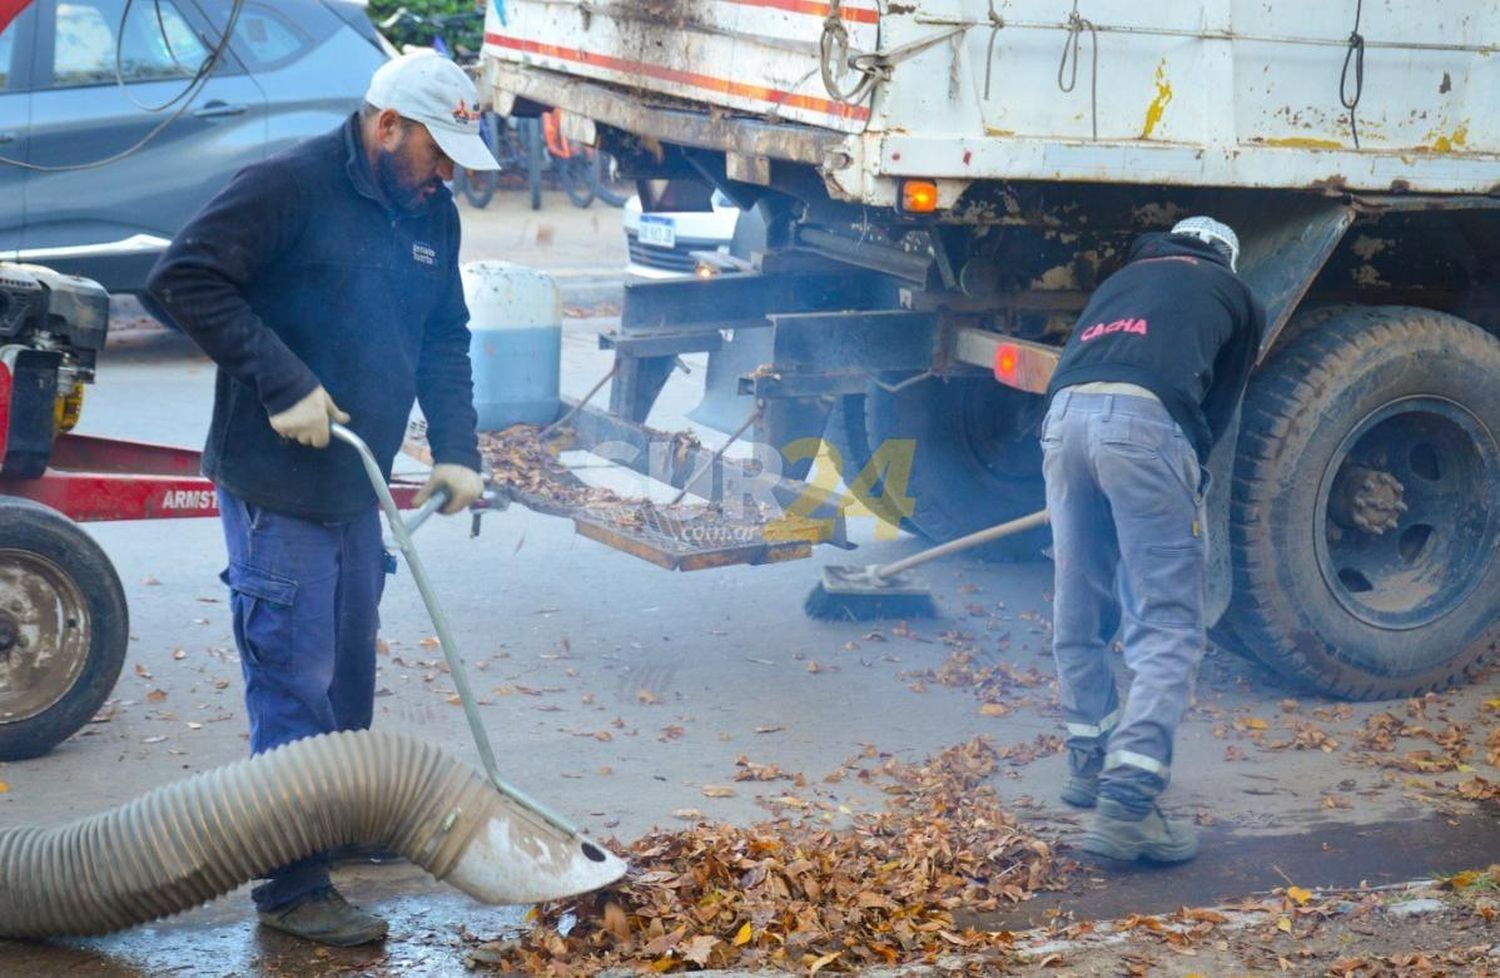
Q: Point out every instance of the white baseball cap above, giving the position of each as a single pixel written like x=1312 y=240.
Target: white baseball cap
x=430 y=89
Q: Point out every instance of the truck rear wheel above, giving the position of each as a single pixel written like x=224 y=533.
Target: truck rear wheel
x=63 y=628
x=976 y=459
x=1366 y=505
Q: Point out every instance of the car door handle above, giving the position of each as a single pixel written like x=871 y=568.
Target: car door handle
x=217 y=108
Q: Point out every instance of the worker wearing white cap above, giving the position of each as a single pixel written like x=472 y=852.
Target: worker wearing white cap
x=324 y=283
x=1148 y=382
x=420 y=114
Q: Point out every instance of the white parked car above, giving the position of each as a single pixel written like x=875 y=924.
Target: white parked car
x=661 y=244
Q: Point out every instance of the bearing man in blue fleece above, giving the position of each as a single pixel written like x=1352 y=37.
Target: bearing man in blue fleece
x=1149 y=381
x=324 y=283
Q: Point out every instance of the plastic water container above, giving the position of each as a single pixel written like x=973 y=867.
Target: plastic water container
x=515 y=318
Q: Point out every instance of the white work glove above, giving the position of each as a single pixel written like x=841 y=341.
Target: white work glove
x=306 y=422
x=463 y=484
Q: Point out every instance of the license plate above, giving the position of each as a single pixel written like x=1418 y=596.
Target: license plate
x=658 y=230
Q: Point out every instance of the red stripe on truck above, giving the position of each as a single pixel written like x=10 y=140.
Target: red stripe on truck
x=852 y=15
x=723 y=86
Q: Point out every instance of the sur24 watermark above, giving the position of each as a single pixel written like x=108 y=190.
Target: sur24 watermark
x=749 y=492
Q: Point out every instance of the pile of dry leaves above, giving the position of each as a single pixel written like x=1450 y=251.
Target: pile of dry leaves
x=525 y=464
x=800 y=895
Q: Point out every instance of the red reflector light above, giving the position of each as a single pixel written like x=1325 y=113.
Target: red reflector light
x=1007 y=358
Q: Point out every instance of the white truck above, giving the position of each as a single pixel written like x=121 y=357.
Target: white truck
x=944 y=181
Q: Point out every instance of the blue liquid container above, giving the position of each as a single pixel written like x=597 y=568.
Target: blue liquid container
x=515 y=346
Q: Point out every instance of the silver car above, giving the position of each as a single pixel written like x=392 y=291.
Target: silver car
x=73 y=93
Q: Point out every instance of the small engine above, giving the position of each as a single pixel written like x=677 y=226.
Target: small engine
x=52 y=327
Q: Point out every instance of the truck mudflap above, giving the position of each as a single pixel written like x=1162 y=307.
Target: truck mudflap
x=754 y=56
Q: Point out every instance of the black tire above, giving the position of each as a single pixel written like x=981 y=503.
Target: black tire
x=601 y=182
x=977 y=461
x=573 y=173
x=1370 y=613
x=58 y=594
x=848 y=436
x=477 y=186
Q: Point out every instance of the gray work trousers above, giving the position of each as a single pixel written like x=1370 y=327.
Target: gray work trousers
x=1127 y=527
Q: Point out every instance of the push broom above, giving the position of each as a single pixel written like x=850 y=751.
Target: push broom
x=886 y=591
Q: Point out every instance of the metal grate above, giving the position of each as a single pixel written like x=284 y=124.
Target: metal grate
x=685 y=536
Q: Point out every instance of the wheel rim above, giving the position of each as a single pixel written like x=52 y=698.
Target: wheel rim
x=1406 y=514
x=44 y=634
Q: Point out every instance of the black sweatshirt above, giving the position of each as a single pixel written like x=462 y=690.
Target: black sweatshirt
x=299 y=273
x=1176 y=321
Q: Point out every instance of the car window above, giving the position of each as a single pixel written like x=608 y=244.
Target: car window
x=155 y=42
x=265 y=40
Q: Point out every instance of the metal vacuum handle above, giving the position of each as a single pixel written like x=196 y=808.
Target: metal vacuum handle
x=459 y=674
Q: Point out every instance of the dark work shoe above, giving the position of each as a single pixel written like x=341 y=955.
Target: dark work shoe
x=326 y=917
x=1115 y=834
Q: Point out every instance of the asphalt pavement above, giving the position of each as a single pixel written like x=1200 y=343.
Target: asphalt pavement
x=616 y=691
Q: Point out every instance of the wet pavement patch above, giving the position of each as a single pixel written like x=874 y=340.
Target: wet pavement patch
x=1230 y=866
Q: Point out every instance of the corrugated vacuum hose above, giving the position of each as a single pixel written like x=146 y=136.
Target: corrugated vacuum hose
x=186 y=843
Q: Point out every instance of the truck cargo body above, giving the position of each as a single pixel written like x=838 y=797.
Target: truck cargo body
x=944 y=184
x=1227 y=93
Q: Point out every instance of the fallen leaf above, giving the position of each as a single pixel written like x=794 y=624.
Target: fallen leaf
x=156 y=695
x=993 y=709
x=603 y=736
x=1298 y=895
x=719 y=791
x=743 y=935
x=4 y=787
x=766 y=730
x=699 y=948
x=1256 y=723
x=151 y=582
x=646 y=697
x=430 y=642
x=1284 y=925
x=687 y=814
x=823 y=962
x=153 y=740
x=142 y=671
x=180 y=654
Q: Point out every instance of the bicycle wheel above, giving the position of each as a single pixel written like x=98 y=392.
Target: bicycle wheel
x=573 y=172
x=602 y=180
x=477 y=186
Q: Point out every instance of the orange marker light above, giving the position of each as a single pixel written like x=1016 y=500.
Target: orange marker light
x=919 y=196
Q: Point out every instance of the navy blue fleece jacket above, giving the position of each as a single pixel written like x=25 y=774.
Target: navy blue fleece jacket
x=298 y=274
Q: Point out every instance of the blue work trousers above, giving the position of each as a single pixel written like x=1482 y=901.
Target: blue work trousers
x=305 y=597
x=1123 y=489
